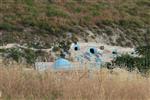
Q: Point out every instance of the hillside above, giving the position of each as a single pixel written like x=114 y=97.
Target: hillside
x=40 y=23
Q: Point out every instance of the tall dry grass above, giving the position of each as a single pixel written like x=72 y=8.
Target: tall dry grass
x=16 y=83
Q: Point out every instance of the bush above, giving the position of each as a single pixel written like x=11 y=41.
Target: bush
x=143 y=50
x=52 y=1
x=78 y=9
x=141 y=63
x=16 y=54
x=125 y=60
x=29 y=2
x=30 y=56
x=7 y=26
x=107 y=22
x=95 y=9
x=143 y=3
x=54 y=11
x=33 y=11
x=130 y=23
x=28 y=21
x=87 y=19
x=44 y=26
x=13 y=53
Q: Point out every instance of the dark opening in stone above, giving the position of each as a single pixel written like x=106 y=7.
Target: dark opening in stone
x=76 y=49
x=114 y=52
x=92 y=51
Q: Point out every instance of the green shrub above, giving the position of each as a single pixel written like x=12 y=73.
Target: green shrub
x=80 y=1
x=7 y=26
x=17 y=53
x=143 y=50
x=107 y=22
x=78 y=9
x=109 y=32
x=8 y=38
x=54 y=11
x=97 y=8
x=30 y=56
x=52 y=1
x=14 y=53
x=28 y=21
x=56 y=49
x=130 y=23
x=29 y=2
x=87 y=18
x=33 y=11
x=46 y=28
x=94 y=10
x=35 y=45
x=141 y=63
x=10 y=17
x=43 y=25
x=132 y=11
x=70 y=5
x=125 y=60
x=143 y=3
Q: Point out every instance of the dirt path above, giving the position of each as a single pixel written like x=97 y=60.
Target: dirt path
x=13 y=45
x=107 y=47
x=82 y=45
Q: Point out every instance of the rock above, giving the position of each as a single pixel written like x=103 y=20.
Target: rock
x=90 y=33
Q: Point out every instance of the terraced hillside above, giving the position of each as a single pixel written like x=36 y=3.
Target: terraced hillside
x=40 y=23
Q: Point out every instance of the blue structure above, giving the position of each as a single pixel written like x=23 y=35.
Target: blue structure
x=62 y=64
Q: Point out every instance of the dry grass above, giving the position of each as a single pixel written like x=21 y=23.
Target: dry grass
x=16 y=83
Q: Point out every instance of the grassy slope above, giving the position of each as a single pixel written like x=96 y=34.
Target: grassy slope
x=44 y=20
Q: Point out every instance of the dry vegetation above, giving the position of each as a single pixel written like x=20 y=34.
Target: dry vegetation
x=45 y=20
x=118 y=84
